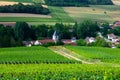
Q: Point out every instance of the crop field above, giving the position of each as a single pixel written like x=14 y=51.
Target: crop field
x=37 y=54
x=57 y=15
x=25 y=1
x=58 y=72
x=3 y=3
x=97 y=53
x=108 y=13
x=23 y=15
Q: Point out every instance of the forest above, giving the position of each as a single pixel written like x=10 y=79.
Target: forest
x=21 y=8
x=77 y=2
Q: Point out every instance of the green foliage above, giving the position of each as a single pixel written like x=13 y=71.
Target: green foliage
x=35 y=54
x=41 y=31
x=118 y=45
x=21 y=8
x=100 y=42
x=7 y=38
x=97 y=53
x=22 y=31
x=81 y=42
x=49 y=44
x=59 y=72
x=116 y=31
x=77 y=2
x=105 y=28
x=87 y=28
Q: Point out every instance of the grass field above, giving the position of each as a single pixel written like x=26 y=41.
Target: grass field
x=98 y=53
x=58 y=72
x=108 y=13
x=30 y=55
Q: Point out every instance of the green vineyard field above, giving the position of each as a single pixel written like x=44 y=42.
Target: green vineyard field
x=35 y=54
x=98 y=53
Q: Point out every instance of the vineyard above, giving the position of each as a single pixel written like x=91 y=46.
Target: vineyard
x=58 y=72
x=28 y=55
x=98 y=53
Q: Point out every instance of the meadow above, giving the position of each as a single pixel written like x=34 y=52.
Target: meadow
x=97 y=53
x=27 y=55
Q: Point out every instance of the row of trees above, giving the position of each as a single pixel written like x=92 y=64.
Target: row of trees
x=77 y=2
x=20 y=8
x=24 y=32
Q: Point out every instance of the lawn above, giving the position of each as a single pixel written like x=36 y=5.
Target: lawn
x=97 y=53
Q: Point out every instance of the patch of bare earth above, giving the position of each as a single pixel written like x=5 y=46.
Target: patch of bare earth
x=8 y=23
x=23 y=15
x=3 y=3
x=116 y=2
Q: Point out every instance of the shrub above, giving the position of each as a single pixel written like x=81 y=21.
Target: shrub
x=49 y=44
x=81 y=42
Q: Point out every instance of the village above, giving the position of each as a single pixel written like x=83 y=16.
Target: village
x=111 y=38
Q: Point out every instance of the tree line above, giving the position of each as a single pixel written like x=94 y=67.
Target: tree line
x=77 y=2
x=13 y=36
x=21 y=8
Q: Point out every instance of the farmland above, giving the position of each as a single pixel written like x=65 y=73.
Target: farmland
x=28 y=1
x=98 y=54
x=108 y=13
x=68 y=15
x=58 y=72
x=30 y=55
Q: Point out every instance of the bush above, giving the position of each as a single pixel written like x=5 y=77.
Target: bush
x=49 y=44
x=81 y=42
x=100 y=42
x=118 y=45
x=59 y=43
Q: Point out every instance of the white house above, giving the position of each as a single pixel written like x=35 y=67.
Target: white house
x=90 y=39
x=111 y=36
x=37 y=43
x=73 y=39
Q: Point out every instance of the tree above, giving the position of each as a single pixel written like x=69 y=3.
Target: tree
x=22 y=31
x=75 y=29
x=59 y=28
x=87 y=28
x=105 y=28
x=81 y=42
x=50 y=32
x=41 y=31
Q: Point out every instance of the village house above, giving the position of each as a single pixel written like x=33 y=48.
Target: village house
x=112 y=37
x=90 y=39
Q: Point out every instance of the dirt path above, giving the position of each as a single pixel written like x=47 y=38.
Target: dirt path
x=67 y=53
x=72 y=55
